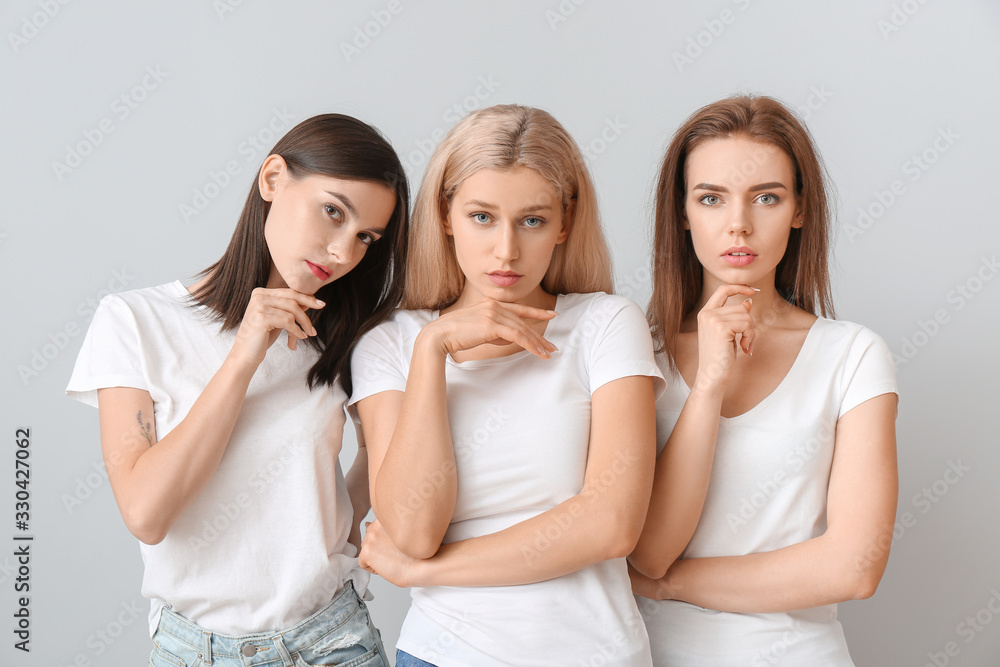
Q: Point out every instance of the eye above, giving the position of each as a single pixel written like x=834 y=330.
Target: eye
x=709 y=200
x=480 y=218
x=533 y=223
x=333 y=212
x=768 y=199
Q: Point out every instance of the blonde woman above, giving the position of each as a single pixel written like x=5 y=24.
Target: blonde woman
x=508 y=411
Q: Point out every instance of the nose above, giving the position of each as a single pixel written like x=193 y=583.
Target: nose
x=343 y=248
x=505 y=248
x=739 y=219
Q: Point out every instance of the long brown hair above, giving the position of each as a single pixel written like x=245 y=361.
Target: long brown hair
x=343 y=147
x=502 y=137
x=802 y=276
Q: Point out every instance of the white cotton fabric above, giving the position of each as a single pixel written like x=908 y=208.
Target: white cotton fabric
x=521 y=427
x=264 y=546
x=768 y=490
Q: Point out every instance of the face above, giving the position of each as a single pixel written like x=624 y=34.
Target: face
x=740 y=207
x=505 y=223
x=319 y=227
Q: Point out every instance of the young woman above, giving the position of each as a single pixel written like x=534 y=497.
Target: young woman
x=785 y=417
x=511 y=477
x=221 y=446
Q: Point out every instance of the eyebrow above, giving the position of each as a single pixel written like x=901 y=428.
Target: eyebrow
x=719 y=188
x=346 y=201
x=477 y=203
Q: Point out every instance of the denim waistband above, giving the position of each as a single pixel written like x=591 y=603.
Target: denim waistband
x=264 y=647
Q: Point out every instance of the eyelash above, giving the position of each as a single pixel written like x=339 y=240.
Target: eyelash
x=475 y=219
x=338 y=215
x=776 y=198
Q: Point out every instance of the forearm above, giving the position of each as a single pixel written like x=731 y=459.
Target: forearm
x=577 y=533
x=153 y=488
x=356 y=480
x=816 y=572
x=417 y=483
x=683 y=471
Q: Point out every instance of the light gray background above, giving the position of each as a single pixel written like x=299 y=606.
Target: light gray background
x=878 y=81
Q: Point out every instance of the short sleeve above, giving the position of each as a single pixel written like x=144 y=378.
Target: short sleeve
x=623 y=346
x=869 y=371
x=110 y=356
x=377 y=364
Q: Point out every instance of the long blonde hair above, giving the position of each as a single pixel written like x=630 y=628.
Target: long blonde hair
x=503 y=137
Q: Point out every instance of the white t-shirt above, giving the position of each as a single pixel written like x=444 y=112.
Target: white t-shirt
x=521 y=431
x=264 y=545
x=768 y=490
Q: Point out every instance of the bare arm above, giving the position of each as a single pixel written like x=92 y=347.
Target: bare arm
x=684 y=467
x=602 y=522
x=844 y=563
x=357 y=488
x=412 y=468
x=154 y=484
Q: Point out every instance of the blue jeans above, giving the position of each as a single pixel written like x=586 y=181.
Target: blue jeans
x=404 y=659
x=340 y=633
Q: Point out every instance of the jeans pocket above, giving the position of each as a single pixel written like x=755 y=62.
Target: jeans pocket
x=160 y=657
x=353 y=644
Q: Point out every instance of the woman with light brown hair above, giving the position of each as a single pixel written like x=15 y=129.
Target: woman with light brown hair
x=508 y=411
x=778 y=423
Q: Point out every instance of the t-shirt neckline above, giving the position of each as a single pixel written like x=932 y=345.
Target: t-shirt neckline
x=762 y=403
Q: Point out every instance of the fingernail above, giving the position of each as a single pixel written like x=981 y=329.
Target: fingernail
x=323 y=303
x=755 y=289
x=551 y=312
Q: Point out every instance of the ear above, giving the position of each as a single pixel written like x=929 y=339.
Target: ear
x=271 y=173
x=446 y=224
x=798 y=220
x=567 y=222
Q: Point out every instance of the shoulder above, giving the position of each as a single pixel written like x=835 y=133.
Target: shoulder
x=597 y=307
x=845 y=335
x=400 y=328
x=137 y=304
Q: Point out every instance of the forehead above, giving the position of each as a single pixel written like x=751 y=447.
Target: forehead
x=518 y=186
x=738 y=162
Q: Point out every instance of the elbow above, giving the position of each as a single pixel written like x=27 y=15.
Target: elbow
x=419 y=544
x=623 y=534
x=865 y=585
x=146 y=526
x=653 y=569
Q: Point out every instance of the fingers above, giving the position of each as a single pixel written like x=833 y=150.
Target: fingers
x=721 y=295
x=528 y=312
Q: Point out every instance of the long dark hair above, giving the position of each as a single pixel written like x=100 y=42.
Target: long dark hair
x=802 y=276
x=340 y=147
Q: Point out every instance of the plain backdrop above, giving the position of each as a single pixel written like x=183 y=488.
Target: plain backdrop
x=132 y=131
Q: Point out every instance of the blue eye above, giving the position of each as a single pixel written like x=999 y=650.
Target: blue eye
x=709 y=200
x=771 y=199
x=481 y=218
x=533 y=223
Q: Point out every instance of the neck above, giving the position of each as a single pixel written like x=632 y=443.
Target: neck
x=769 y=307
x=537 y=298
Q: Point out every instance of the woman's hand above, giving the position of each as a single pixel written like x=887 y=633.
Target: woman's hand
x=379 y=555
x=724 y=332
x=490 y=322
x=270 y=311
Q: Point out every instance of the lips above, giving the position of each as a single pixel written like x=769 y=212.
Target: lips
x=319 y=270
x=740 y=256
x=504 y=278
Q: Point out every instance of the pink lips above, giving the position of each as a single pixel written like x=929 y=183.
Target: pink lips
x=504 y=278
x=319 y=271
x=741 y=256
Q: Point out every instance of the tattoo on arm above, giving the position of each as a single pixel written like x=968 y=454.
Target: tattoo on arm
x=147 y=428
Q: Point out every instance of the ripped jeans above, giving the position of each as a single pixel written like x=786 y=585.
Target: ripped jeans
x=340 y=634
